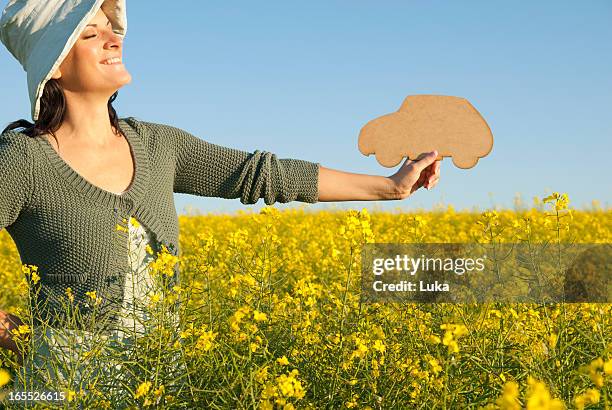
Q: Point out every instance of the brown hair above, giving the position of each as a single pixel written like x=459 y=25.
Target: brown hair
x=52 y=112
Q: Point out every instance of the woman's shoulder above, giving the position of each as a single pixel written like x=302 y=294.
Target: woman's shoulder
x=15 y=153
x=155 y=136
x=150 y=126
x=14 y=135
x=158 y=134
x=14 y=142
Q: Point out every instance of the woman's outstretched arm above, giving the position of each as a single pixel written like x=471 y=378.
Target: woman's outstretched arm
x=211 y=170
x=337 y=185
x=207 y=169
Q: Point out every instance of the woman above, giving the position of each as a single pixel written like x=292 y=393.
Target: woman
x=79 y=183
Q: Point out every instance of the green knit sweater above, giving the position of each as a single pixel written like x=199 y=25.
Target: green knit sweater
x=67 y=226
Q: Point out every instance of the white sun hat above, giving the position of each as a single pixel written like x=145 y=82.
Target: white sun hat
x=40 y=33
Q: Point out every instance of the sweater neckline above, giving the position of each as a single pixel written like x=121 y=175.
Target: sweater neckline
x=130 y=196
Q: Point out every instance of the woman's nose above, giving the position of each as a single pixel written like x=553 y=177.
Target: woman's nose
x=114 y=40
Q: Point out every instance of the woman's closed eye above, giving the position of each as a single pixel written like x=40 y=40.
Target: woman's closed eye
x=94 y=34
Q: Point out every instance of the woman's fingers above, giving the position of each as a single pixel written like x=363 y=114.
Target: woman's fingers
x=424 y=161
x=413 y=175
x=433 y=183
x=427 y=174
x=434 y=177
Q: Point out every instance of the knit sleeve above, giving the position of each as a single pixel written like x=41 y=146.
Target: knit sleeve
x=15 y=177
x=206 y=169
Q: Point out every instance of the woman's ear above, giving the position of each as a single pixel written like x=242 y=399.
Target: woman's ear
x=57 y=74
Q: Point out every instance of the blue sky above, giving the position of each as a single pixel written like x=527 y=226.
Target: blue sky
x=300 y=79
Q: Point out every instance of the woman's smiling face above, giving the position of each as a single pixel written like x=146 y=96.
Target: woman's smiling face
x=94 y=64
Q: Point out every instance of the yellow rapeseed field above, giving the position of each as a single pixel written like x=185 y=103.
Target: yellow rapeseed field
x=271 y=318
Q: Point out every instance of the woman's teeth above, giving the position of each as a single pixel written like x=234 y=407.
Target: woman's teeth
x=113 y=60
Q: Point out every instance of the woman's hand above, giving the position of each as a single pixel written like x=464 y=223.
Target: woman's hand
x=412 y=175
x=9 y=322
x=335 y=185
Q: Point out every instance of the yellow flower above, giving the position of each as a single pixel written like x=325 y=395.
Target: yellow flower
x=22 y=332
x=69 y=294
x=594 y=372
x=538 y=396
x=89 y=354
x=237 y=317
x=552 y=340
x=165 y=262
x=509 y=398
x=289 y=386
x=591 y=396
x=268 y=392
x=379 y=345
x=434 y=339
x=121 y=228
x=35 y=278
x=134 y=222
x=104 y=404
x=560 y=200
x=205 y=341
x=453 y=331
x=154 y=299
x=5 y=377
x=607 y=367
x=435 y=365
x=71 y=394
x=361 y=349
x=283 y=361
x=262 y=375
x=259 y=316
x=142 y=390
x=352 y=403
x=159 y=391
x=266 y=405
x=32 y=272
x=23 y=286
x=94 y=297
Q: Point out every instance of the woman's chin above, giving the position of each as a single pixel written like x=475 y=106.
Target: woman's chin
x=118 y=85
x=117 y=74
x=127 y=79
x=120 y=81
